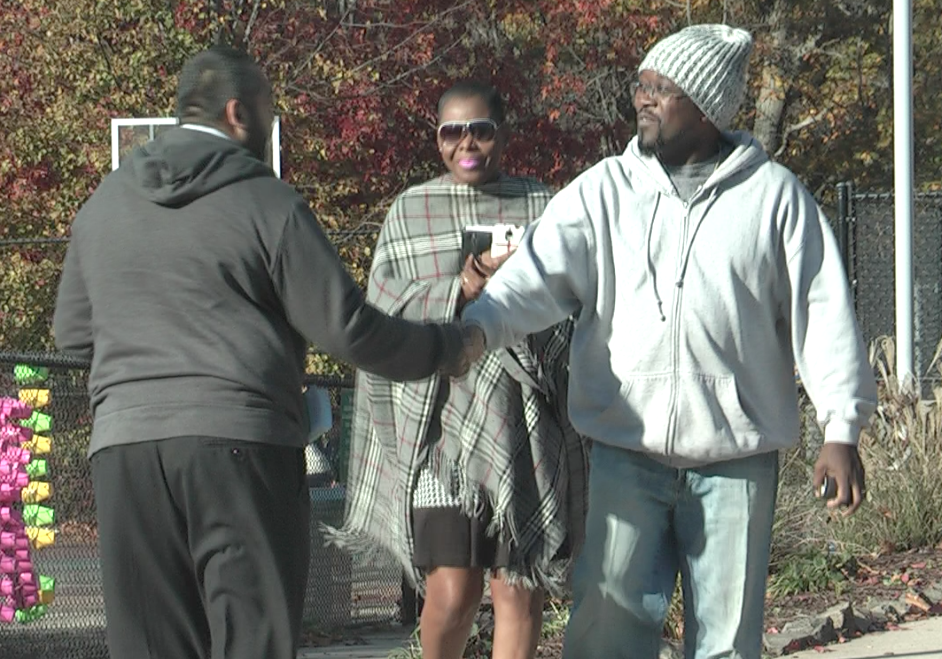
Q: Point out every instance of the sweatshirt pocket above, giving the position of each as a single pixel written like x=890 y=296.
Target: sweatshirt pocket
x=711 y=421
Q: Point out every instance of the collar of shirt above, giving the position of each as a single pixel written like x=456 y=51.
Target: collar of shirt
x=206 y=129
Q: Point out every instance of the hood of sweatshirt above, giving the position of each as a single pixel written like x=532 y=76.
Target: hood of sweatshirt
x=182 y=165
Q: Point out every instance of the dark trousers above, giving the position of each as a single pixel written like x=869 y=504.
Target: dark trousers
x=204 y=548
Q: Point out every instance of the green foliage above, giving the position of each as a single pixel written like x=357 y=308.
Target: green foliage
x=810 y=572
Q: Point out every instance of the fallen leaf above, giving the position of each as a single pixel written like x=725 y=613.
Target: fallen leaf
x=918 y=566
x=919 y=601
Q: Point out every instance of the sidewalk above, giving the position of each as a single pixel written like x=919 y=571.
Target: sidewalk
x=913 y=640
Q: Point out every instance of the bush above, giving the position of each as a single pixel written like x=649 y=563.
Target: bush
x=902 y=454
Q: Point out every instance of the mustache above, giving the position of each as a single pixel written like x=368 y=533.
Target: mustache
x=649 y=116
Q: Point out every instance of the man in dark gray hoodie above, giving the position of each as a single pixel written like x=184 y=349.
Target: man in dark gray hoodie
x=194 y=281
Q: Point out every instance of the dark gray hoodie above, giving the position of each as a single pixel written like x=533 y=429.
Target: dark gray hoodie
x=194 y=281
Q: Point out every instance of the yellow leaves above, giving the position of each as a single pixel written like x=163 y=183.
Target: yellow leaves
x=867 y=157
x=520 y=26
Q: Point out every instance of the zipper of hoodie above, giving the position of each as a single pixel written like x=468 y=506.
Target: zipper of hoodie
x=675 y=335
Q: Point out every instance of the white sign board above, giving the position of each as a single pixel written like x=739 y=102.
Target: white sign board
x=127 y=133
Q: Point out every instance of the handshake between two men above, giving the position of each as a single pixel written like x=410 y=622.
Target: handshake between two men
x=472 y=346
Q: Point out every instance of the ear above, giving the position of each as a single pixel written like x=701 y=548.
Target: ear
x=236 y=115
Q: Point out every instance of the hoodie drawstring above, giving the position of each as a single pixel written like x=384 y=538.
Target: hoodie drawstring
x=651 y=270
x=689 y=246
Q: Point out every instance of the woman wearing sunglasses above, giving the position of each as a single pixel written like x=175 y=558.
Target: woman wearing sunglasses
x=479 y=480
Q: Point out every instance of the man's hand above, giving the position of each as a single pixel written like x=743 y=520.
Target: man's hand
x=842 y=463
x=467 y=350
x=475 y=342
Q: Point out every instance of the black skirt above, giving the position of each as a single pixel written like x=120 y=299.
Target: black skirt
x=446 y=537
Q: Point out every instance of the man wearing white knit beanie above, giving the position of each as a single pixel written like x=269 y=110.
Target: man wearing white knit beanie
x=702 y=273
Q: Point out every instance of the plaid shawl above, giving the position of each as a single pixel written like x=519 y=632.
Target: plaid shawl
x=504 y=426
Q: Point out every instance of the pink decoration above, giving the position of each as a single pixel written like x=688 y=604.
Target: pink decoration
x=18 y=479
x=15 y=434
x=10 y=515
x=9 y=493
x=12 y=408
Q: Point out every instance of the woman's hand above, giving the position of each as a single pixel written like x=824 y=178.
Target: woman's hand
x=477 y=270
x=489 y=264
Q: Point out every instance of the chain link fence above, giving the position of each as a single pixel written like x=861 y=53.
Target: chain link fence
x=342 y=590
x=865 y=228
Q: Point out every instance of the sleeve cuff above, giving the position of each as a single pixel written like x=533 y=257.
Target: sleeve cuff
x=470 y=322
x=471 y=316
x=841 y=432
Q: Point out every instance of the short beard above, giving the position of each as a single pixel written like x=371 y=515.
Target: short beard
x=661 y=146
x=257 y=136
x=650 y=149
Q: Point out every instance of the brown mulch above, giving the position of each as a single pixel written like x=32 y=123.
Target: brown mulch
x=870 y=579
x=551 y=648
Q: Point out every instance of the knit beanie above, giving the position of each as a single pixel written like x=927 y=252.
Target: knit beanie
x=708 y=62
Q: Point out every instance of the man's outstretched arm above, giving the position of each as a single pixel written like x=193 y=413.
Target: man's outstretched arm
x=548 y=278
x=324 y=303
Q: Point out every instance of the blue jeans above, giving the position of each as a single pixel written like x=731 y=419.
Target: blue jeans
x=646 y=522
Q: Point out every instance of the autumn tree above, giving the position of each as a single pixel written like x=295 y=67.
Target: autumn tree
x=357 y=87
x=357 y=83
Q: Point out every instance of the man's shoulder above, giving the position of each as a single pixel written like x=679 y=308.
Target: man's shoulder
x=615 y=173
x=269 y=196
x=278 y=189
x=773 y=177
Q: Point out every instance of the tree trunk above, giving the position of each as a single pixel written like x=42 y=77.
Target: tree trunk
x=770 y=104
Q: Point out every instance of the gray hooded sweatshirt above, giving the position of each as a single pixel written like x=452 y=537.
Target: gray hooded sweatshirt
x=693 y=314
x=194 y=281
